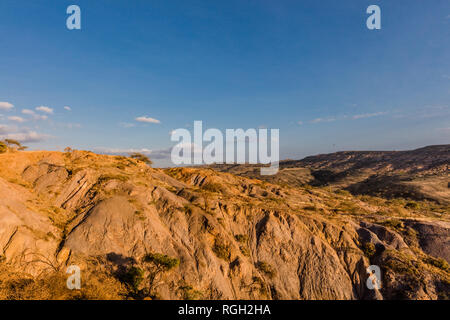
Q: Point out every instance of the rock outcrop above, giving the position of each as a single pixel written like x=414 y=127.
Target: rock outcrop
x=234 y=237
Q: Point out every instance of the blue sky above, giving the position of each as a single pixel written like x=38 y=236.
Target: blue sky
x=310 y=68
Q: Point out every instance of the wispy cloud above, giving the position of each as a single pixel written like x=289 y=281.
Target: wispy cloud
x=34 y=115
x=299 y=123
x=25 y=136
x=147 y=119
x=67 y=108
x=3 y=129
x=126 y=125
x=6 y=105
x=70 y=125
x=28 y=112
x=16 y=119
x=344 y=117
x=368 y=115
x=318 y=120
x=45 y=109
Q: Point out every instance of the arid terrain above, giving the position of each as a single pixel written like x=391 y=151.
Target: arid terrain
x=308 y=232
x=421 y=174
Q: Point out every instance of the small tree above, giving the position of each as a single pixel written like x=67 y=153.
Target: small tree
x=133 y=277
x=141 y=157
x=157 y=264
x=3 y=147
x=14 y=144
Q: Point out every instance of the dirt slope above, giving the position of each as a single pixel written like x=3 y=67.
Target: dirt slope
x=234 y=237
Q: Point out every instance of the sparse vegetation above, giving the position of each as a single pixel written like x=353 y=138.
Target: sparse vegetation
x=369 y=249
x=220 y=216
x=189 y=293
x=412 y=205
x=266 y=268
x=221 y=249
x=394 y=223
x=14 y=144
x=52 y=286
x=107 y=177
x=438 y=263
x=242 y=238
x=3 y=147
x=212 y=187
x=156 y=264
x=141 y=157
x=132 y=277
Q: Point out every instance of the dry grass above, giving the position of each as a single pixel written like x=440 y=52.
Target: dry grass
x=52 y=286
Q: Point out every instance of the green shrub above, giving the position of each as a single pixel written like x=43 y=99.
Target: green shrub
x=245 y=251
x=14 y=144
x=438 y=263
x=266 y=268
x=369 y=249
x=161 y=261
x=222 y=250
x=343 y=192
x=412 y=205
x=242 y=238
x=141 y=157
x=132 y=277
x=156 y=265
x=107 y=177
x=189 y=293
x=3 y=147
x=212 y=187
x=394 y=223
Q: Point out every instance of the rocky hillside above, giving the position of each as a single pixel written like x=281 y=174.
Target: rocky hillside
x=421 y=174
x=186 y=233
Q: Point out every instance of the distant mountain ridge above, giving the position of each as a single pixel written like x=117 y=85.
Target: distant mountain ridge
x=421 y=174
x=430 y=159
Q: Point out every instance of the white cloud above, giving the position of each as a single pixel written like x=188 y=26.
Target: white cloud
x=6 y=105
x=318 y=120
x=126 y=125
x=24 y=137
x=3 y=129
x=28 y=112
x=368 y=115
x=147 y=119
x=355 y=117
x=67 y=108
x=40 y=117
x=34 y=115
x=45 y=109
x=299 y=123
x=16 y=119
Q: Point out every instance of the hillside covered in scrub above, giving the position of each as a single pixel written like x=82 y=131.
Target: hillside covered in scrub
x=196 y=233
x=421 y=174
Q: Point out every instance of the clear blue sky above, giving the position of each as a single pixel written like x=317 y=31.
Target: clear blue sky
x=310 y=68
